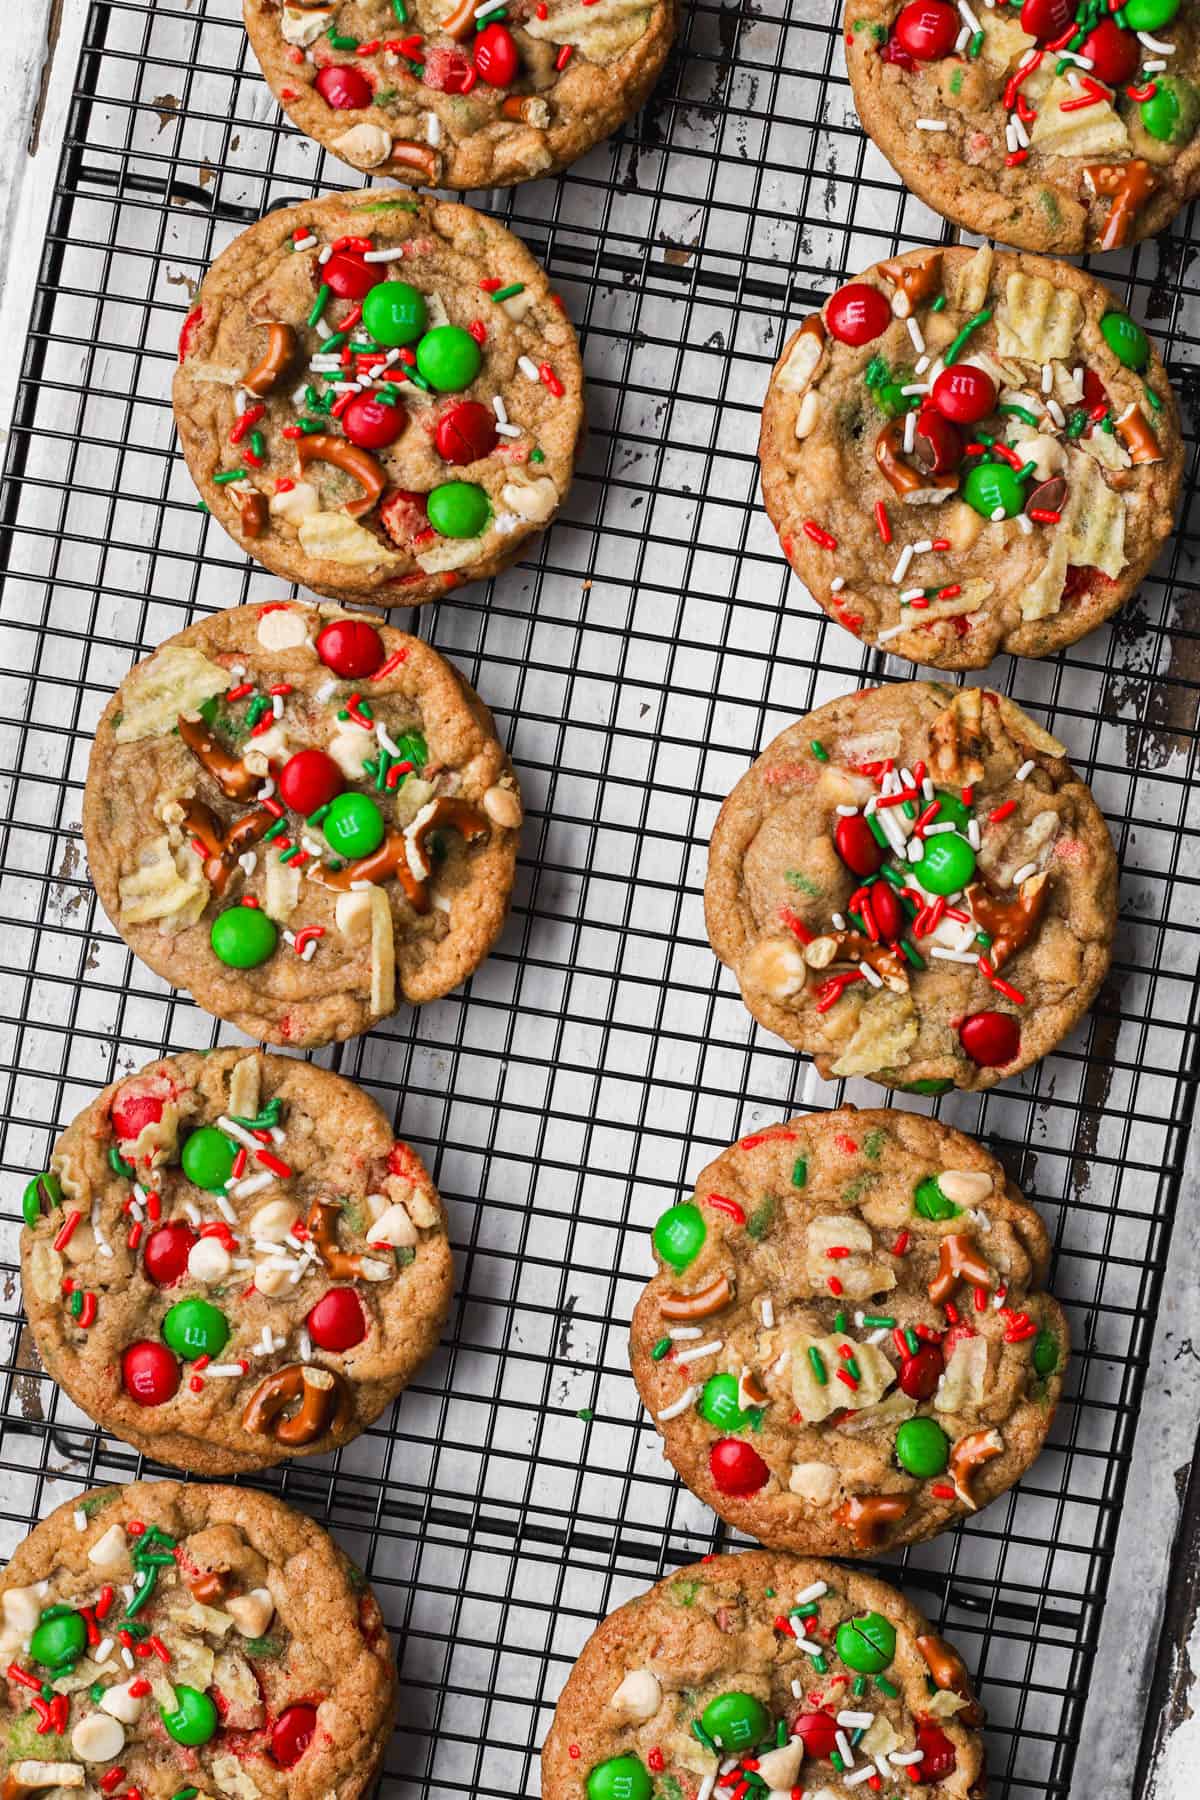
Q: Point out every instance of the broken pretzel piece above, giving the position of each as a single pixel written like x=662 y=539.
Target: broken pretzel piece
x=706 y=1301
x=229 y=772
x=1129 y=185
x=340 y=454
x=948 y=1671
x=916 y=281
x=958 y=1261
x=1137 y=434
x=853 y=947
x=968 y=1457
x=324 y=1405
x=870 y=1517
x=1010 y=921
x=281 y=348
x=222 y=849
x=915 y=487
x=956 y=740
x=343 y=1265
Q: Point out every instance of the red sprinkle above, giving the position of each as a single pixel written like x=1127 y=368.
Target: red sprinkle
x=1001 y=986
x=834 y=1286
x=549 y=378
x=900 y=1247
x=1002 y=812
x=68 y=1229
x=720 y=1204
x=818 y=535
x=1042 y=515
x=112 y=1780
x=795 y=925
x=883 y=522
x=274 y=1163
x=87 y=1312
x=563 y=57
x=391 y=665
x=943 y=1492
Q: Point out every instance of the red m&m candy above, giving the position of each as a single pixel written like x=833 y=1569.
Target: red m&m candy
x=857 y=313
x=308 y=780
x=336 y=1322
x=887 y=911
x=990 y=1039
x=342 y=86
x=940 y=1758
x=921 y=1372
x=1115 y=54
x=292 y=1733
x=964 y=393
x=927 y=29
x=466 y=432
x=819 y=1732
x=496 y=55
x=855 y=843
x=349 y=276
x=135 y=1107
x=736 y=1468
x=1046 y=19
x=166 y=1254
x=149 y=1373
x=939 y=447
x=350 y=647
x=372 y=423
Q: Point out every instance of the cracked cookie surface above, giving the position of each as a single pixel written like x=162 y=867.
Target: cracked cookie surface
x=231 y=1260
x=847 y=1347
x=912 y=883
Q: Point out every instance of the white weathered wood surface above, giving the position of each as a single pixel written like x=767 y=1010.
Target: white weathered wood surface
x=42 y=59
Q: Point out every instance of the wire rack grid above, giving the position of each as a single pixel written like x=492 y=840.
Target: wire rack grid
x=636 y=663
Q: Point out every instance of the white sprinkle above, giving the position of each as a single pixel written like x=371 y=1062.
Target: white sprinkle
x=324 y=329
x=1026 y=769
x=1022 y=135
x=998 y=514
x=927 y=789
x=1047 y=377
x=699 y=1350
x=1156 y=44
x=847 y=1754
x=127 y=1654
x=962 y=40
x=509 y=431
x=906 y=777
x=499 y=408
x=910 y=431
x=797 y=1690
x=807 y=1645
x=914 y=332
x=839 y=922
x=768 y=1312
x=859 y=1775
x=958 y=956
x=893 y=831
x=528 y=368
x=1025 y=524
x=488 y=6
x=916 y=387
x=1077 y=376
x=884 y=1766
x=681 y=1333
x=916 y=851
x=856 y=1721
x=935 y=830
x=302 y=244
x=1152 y=66
x=903 y=1758
x=388 y=743
x=685 y=1400
x=837 y=584
x=923 y=548
x=901 y=568
x=873 y=980
x=932 y=125
x=192 y=1211
x=1010 y=136
x=1056 y=413
x=80 y=1519
x=253 y=1184
x=325 y=255
x=973 y=836
x=1084 y=62
x=704 y=1791
x=968 y=17
x=911 y=594
x=103 y=1650
x=237 y=1132
x=1023 y=873
x=224 y=1371
x=878 y=1337
x=892 y=631
x=848 y=812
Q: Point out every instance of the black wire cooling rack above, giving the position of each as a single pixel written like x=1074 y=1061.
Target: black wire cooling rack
x=597 y=1061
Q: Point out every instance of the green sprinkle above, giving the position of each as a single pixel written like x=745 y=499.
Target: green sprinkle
x=266 y=1120
x=586 y=1414
x=142 y=1595
x=660 y=1349
x=324 y=295
x=1106 y=424
x=836 y=1760
x=185 y=1793
x=287 y=856
x=118 y=1165
x=330 y=344
x=877 y=831
x=1154 y=400
x=819 y=751
x=277 y=830
x=315 y=818
x=202 y=506
x=983 y=939
x=886 y=1687
x=852 y=1368
x=876 y=372
x=939 y=304
x=416 y=379
x=769 y=1592
x=856 y=919
x=877 y=1322
x=860 y=1686
x=799 y=1172
x=805 y=1612
x=537 y=456
x=1021 y=412
x=506 y=293
x=818 y=1366
x=981 y=318
x=401 y=11
x=308 y=426
x=973 y=49
x=840 y=1321
x=340 y=42
x=911 y=953
x=908 y=809
x=258 y=444
x=1076 y=423
x=819 y=1663
x=895 y=876
x=781 y=1731
x=75 y=1304
x=259 y=704
x=228 y=475
x=913 y=1341
x=1025 y=471
x=698 y=1731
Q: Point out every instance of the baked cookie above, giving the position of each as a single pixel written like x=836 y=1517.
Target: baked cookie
x=231 y=1260
x=846 y=1347
x=378 y=396
x=781 y=1674
x=461 y=95
x=968 y=452
x=1053 y=125
x=913 y=883
x=165 y=1640
x=303 y=818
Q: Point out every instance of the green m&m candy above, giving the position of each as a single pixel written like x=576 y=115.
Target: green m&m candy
x=992 y=487
x=44 y=1192
x=719 y=1403
x=1147 y=15
x=458 y=509
x=951 y=810
x=620 y=1778
x=1172 y=112
x=195 y=1328
x=208 y=1158
x=1127 y=341
x=194 y=1720
x=449 y=358
x=930 y=1201
x=60 y=1637
x=928 y=1084
x=394 y=313
x=866 y=1644
x=947 y=865
x=736 y=1721
x=353 y=826
x=1045 y=1353
x=243 y=936
x=922 y=1448
x=679 y=1235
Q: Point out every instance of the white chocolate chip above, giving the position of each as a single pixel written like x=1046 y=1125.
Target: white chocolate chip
x=22 y=1610
x=24 y=1777
x=209 y=1261
x=639 y=1695
x=393 y=1227
x=98 y=1738
x=109 y=1551
x=303 y=25
x=121 y=1704
x=965 y=1186
x=273 y=1221
x=252 y=1612
x=292 y=505
x=774 y=967
x=352 y=914
x=503 y=807
x=282 y=629
x=366 y=146
x=534 y=500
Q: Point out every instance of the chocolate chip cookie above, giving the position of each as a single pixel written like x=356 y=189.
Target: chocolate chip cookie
x=302 y=817
x=912 y=883
x=461 y=95
x=969 y=452
x=231 y=1260
x=378 y=396
x=846 y=1347
x=771 y=1674
x=170 y=1640
x=1062 y=125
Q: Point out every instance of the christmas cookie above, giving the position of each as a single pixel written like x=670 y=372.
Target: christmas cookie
x=303 y=818
x=231 y=1260
x=1050 y=125
x=970 y=452
x=168 y=1640
x=846 y=1347
x=460 y=95
x=766 y=1675
x=913 y=883
x=378 y=396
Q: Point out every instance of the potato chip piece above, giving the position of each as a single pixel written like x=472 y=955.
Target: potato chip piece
x=244 y=1086
x=961 y=1387
x=886 y=1028
x=1092 y=131
x=969 y=282
x=602 y=30
x=1093 y=521
x=1041 y=598
x=1003 y=40
x=1106 y=448
x=383 y=955
x=1041 y=320
x=303 y=26
x=340 y=539
x=817 y=1399
x=166 y=887
x=1027 y=730
x=450 y=553
x=177 y=680
x=281 y=894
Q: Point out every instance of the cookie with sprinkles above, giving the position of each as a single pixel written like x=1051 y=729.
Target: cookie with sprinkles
x=1065 y=125
x=231 y=1260
x=378 y=396
x=302 y=817
x=912 y=883
x=846 y=1347
x=473 y=94
x=766 y=1674
x=970 y=452
x=163 y=1639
